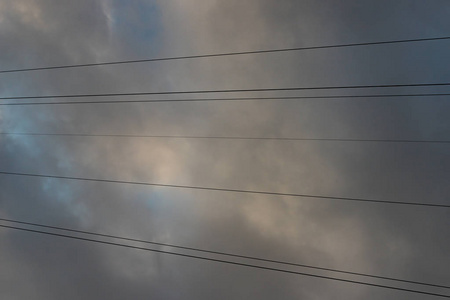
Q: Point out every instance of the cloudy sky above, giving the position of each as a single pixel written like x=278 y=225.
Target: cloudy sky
x=398 y=241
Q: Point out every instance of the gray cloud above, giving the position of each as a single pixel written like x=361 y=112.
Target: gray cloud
x=397 y=241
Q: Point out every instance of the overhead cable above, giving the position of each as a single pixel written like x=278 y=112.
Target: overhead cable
x=301 y=88
x=217 y=189
x=226 y=261
x=225 y=54
x=222 y=253
x=229 y=138
x=222 y=99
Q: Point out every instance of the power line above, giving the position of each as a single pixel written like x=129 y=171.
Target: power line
x=225 y=189
x=222 y=253
x=225 y=99
x=231 y=91
x=224 y=54
x=226 y=261
x=226 y=138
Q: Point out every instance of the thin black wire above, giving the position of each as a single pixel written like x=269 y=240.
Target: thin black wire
x=225 y=99
x=226 y=261
x=225 y=54
x=232 y=90
x=223 y=253
x=226 y=138
x=225 y=190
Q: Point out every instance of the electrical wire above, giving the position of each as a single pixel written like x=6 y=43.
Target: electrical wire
x=224 y=54
x=225 y=261
x=232 y=91
x=223 y=253
x=227 y=190
x=224 y=99
x=226 y=138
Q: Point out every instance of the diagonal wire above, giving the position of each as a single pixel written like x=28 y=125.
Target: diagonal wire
x=223 y=253
x=226 y=99
x=301 y=88
x=225 y=261
x=225 y=54
x=227 y=190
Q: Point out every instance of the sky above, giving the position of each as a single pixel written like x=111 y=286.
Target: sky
x=398 y=241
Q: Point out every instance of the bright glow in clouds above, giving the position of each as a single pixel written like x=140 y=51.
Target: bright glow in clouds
x=395 y=241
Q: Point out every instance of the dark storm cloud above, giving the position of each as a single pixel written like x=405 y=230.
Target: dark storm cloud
x=387 y=240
